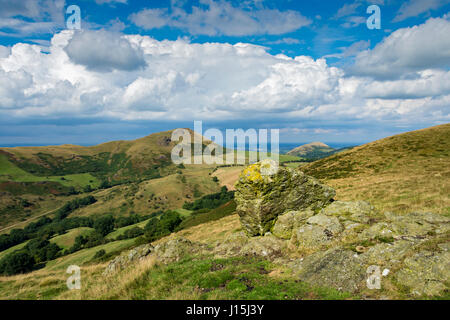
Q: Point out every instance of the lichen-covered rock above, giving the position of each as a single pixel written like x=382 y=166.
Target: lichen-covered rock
x=239 y=244
x=337 y=268
x=231 y=246
x=290 y=220
x=388 y=254
x=262 y=197
x=356 y=211
x=176 y=249
x=426 y=273
x=128 y=258
x=169 y=251
x=330 y=223
x=378 y=230
x=416 y=224
x=268 y=246
x=318 y=231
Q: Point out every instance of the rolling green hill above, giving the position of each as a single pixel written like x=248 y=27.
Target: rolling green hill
x=405 y=172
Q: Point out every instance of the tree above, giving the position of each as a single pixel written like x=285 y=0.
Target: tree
x=104 y=225
x=17 y=262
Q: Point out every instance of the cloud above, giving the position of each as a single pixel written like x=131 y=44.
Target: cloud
x=104 y=51
x=408 y=50
x=111 y=1
x=413 y=8
x=288 y=41
x=354 y=49
x=30 y=17
x=217 y=82
x=4 y=51
x=347 y=10
x=221 y=18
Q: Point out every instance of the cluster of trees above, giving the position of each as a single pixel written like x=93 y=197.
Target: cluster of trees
x=46 y=227
x=71 y=206
x=34 y=253
x=131 y=233
x=39 y=249
x=89 y=241
x=210 y=201
x=165 y=225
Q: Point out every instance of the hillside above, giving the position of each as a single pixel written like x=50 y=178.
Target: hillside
x=116 y=161
x=38 y=180
x=312 y=151
x=404 y=172
x=185 y=222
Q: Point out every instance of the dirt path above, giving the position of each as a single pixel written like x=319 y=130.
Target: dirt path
x=29 y=220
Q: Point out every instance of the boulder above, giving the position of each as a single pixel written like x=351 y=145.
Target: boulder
x=426 y=273
x=124 y=260
x=288 y=221
x=355 y=211
x=238 y=244
x=176 y=249
x=264 y=191
x=337 y=268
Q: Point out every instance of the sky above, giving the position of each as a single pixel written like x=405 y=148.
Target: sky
x=312 y=69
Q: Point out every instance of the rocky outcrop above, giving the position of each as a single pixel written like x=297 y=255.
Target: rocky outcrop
x=166 y=252
x=289 y=219
x=130 y=257
x=339 y=242
x=264 y=191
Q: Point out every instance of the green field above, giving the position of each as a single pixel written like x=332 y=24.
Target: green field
x=121 y=231
x=294 y=164
x=10 y=172
x=183 y=212
x=12 y=249
x=66 y=240
x=83 y=256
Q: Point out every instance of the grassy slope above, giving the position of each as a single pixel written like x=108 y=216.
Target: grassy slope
x=12 y=249
x=66 y=240
x=406 y=172
x=10 y=172
x=122 y=230
x=206 y=278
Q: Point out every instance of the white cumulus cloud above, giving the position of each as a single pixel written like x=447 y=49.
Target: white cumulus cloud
x=183 y=81
x=408 y=50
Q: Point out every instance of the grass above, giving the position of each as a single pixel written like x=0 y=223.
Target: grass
x=121 y=231
x=86 y=255
x=183 y=212
x=10 y=172
x=199 y=278
x=215 y=214
x=294 y=164
x=65 y=241
x=12 y=249
x=166 y=193
x=403 y=173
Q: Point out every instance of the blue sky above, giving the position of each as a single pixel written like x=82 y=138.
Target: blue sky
x=313 y=69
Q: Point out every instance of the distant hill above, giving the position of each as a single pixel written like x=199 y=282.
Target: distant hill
x=409 y=171
x=115 y=162
x=312 y=151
